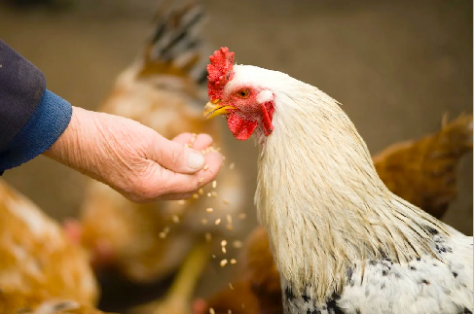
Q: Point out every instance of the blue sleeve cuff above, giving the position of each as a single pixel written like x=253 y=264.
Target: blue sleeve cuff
x=48 y=122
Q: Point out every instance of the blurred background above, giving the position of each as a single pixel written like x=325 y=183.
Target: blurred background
x=396 y=66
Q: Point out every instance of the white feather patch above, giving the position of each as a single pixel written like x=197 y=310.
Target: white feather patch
x=264 y=96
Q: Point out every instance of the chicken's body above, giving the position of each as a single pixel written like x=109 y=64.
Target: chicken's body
x=164 y=90
x=342 y=242
x=422 y=171
x=38 y=263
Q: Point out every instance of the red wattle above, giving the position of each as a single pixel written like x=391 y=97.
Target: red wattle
x=267 y=113
x=242 y=129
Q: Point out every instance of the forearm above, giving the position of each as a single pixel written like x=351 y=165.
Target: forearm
x=31 y=117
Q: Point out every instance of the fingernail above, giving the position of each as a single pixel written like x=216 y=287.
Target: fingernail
x=195 y=160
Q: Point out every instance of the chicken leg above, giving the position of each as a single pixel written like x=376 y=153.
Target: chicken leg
x=178 y=298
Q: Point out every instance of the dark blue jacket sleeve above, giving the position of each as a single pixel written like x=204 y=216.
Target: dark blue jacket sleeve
x=31 y=117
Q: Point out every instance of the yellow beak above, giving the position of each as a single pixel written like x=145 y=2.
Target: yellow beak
x=213 y=109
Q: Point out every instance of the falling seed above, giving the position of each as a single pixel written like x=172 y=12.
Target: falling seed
x=201 y=180
x=175 y=219
x=214 y=184
x=214 y=194
x=195 y=196
x=229 y=219
x=233 y=261
x=231 y=166
x=166 y=229
x=206 y=167
x=231 y=286
x=209 y=194
x=225 y=201
x=218 y=221
x=208 y=237
x=211 y=311
x=237 y=244
x=229 y=311
x=181 y=202
x=193 y=138
x=229 y=227
x=162 y=235
x=223 y=249
x=204 y=221
x=224 y=243
x=242 y=216
x=223 y=262
x=213 y=256
x=201 y=191
x=209 y=210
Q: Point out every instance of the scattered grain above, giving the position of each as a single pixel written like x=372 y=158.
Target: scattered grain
x=242 y=216
x=231 y=166
x=211 y=311
x=209 y=210
x=218 y=221
x=175 y=219
x=214 y=184
x=208 y=237
x=233 y=261
x=223 y=262
x=237 y=244
x=231 y=286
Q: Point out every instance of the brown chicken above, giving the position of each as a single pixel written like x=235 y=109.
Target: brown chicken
x=421 y=171
x=38 y=262
x=163 y=89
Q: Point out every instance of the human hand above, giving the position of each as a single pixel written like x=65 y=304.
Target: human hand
x=134 y=159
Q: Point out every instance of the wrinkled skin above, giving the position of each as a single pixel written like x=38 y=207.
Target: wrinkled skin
x=133 y=159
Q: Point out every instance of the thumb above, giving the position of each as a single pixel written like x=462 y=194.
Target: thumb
x=177 y=157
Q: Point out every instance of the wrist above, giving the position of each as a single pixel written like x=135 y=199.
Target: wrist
x=69 y=148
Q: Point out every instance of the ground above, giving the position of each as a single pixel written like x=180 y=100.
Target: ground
x=396 y=66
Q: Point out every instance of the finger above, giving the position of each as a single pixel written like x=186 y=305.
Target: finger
x=183 y=138
x=202 y=141
x=172 y=184
x=197 y=142
x=177 y=157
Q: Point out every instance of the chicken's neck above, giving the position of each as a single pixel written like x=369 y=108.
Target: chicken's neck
x=321 y=200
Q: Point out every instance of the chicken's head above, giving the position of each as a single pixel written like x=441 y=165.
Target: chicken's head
x=234 y=91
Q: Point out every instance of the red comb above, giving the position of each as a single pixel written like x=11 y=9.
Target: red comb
x=220 y=71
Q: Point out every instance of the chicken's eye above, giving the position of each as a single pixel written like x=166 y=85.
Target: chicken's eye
x=244 y=93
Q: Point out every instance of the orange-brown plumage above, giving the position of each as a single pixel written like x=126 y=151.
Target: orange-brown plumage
x=164 y=90
x=38 y=262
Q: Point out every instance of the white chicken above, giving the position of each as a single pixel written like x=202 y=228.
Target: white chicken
x=342 y=242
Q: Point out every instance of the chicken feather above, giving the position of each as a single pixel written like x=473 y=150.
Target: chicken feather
x=331 y=220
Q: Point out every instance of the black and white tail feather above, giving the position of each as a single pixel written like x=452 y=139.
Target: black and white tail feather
x=177 y=42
